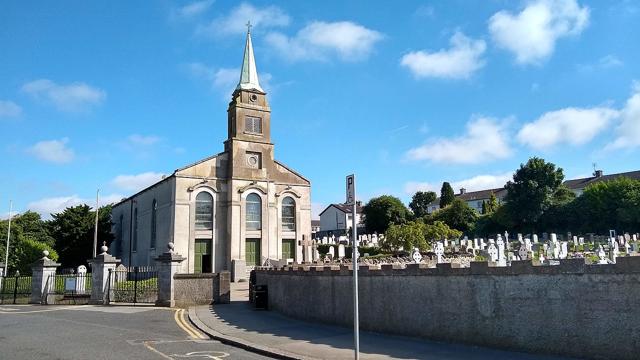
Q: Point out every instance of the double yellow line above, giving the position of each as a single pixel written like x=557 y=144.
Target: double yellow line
x=184 y=325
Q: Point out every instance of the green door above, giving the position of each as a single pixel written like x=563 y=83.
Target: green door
x=252 y=252
x=288 y=249
x=202 y=261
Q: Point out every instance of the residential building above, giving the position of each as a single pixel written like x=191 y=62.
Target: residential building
x=338 y=218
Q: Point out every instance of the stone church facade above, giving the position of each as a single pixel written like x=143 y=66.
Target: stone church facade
x=231 y=211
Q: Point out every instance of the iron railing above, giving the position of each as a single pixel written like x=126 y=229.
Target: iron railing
x=15 y=289
x=69 y=288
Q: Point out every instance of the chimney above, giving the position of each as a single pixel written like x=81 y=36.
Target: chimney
x=598 y=173
x=463 y=191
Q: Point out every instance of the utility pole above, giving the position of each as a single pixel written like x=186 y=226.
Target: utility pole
x=351 y=200
x=95 y=229
x=6 y=253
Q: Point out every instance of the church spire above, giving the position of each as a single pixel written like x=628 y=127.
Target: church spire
x=249 y=74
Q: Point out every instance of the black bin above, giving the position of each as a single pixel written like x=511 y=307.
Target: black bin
x=261 y=297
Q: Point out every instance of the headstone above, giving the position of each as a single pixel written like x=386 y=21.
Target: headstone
x=614 y=250
x=635 y=237
x=502 y=259
x=81 y=279
x=520 y=238
x=483 y=246
x=523 y=252
x=527 y=244
x=635 y=247
x=340 y=251
x=627 y=248
x=416 y=256
x=591 y=238
x=446 y=243
x=575 y=241
x=564 y=250
x=476 y=243
x=506 y=236
x=535 y=238
x=602 y=256
x=581 y=241
x=492 y=251
x=332 y=252
x=439 y=251
x=121 y=273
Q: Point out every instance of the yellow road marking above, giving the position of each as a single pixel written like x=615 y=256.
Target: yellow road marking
x=184 y=325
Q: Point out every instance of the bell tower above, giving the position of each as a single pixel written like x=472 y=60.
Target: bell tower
x=249 y=122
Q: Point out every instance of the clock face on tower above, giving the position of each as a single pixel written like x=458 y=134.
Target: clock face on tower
x=254 y=160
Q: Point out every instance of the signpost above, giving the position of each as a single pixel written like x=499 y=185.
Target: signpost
x=351 y=200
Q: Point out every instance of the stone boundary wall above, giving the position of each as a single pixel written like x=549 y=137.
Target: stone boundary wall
x=571 y=309
x=201 y=289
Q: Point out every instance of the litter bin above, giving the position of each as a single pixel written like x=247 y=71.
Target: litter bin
x=261 y=297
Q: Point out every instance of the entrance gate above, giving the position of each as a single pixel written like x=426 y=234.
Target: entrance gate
x=135 y=285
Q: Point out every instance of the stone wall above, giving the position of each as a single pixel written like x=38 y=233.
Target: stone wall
x=201 y=289
x=572 y=309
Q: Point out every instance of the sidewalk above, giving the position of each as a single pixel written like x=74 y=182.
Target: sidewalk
x=273 y=334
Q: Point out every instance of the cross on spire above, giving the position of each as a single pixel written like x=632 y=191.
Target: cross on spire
x=248 y=24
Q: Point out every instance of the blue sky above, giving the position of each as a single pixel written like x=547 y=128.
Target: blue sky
x=112 y=94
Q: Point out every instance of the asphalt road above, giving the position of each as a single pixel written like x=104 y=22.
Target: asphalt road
x=97 y=332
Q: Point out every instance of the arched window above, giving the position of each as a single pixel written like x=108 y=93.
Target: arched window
x=204 y=211
x=254 y=212
x=154 y=221
x=288 y=214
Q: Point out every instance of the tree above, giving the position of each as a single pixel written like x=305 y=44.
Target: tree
x=417 y=234
x=420 y=202
x=73 y=232
x=446 y=195
x=492 y=204
x=484 y=207
x=458 y=216
x=531 y=192
x=379 y=213
x=439 y=230
x=29 y=238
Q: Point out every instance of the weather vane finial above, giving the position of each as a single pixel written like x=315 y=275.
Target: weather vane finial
x=249 y=27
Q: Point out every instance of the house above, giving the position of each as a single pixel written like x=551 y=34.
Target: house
x=337 y=219
x=231 y=211
x=473 y=198
x=578 y=185
x=315 y=226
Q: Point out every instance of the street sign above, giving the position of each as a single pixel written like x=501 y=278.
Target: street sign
x=351 y=189
x=69 y=284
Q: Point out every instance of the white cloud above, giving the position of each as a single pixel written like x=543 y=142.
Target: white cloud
x=573 y=126
x=54 y=205
x=532 y=34
x=134 y=183
x=610 y=61
x=321 y=40
x=479 y=182
x=143 y=140
x=486 y=139
x=9 y=109
x=235 y=22
x=55 y=151
x=628 y=132
x=194 y=9
x=460 y=61
x=72 y=97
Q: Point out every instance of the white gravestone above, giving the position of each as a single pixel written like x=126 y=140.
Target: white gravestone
x=492 y=251
x=416 y=256
x=575 y=241
x=580 y=241
x=439 y=251
x=502 y=259
x=483 y=246
x=548 y=252
x=332 y=252
x=340 y=251
x=527 y=243
x=446 y=243
x=614 y=250
x=81 y=279
x=602 y=256
x=476 y=244
x=523 y=252
x=564 y=250
x=535 y=238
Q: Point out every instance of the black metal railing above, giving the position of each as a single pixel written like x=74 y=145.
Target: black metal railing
x=133 y=285
x=69 y=288
x=15 y=289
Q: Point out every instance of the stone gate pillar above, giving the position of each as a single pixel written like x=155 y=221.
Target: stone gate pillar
x=100 y=267
x=168 y=265
x=43 y=274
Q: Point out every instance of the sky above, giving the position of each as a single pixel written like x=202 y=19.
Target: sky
x=111 y=95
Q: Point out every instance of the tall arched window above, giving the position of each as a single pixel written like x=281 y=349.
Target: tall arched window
x=204 y=211
x=288 y=214
x=154 y=221
x=254 y=212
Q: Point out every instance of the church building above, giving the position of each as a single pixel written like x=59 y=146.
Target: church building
x=232 y=211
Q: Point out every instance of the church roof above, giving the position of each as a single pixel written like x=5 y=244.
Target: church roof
x=249 y=74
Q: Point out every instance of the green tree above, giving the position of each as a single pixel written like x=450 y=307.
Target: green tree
x=446 y=195
x=531 y=192
x=420 y=202
x=73 y=232
x=406 y=236
x=29 y=237
x=380 y=212
x=458 y=216
x=439 y=230
x=492 y=204
x=484 y=207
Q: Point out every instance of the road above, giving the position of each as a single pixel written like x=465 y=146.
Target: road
x=99 y=332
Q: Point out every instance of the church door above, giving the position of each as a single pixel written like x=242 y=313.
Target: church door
x=288 y=249
x=252 y=252
x=202 y=261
